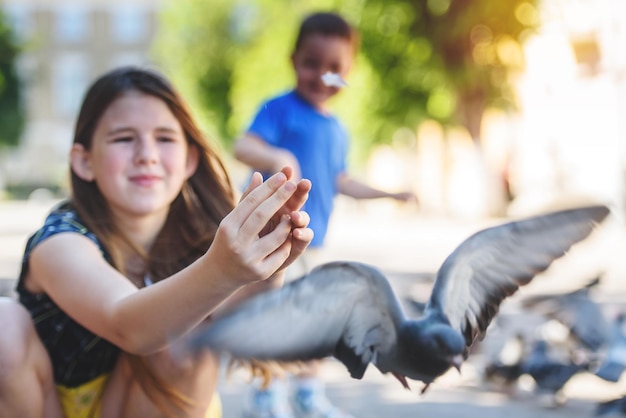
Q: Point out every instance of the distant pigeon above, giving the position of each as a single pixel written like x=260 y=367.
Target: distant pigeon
x=508 y=367
x=550 y=374
x=614 y=406
x=578 y=312
x=348 y=310
x=614 y=361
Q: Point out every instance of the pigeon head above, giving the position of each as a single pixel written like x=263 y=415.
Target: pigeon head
x=432 y=348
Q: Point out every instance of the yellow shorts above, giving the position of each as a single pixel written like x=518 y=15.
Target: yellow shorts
x=215 y=407
x=84 y=401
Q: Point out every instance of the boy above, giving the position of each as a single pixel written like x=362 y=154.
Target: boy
x=298 y=130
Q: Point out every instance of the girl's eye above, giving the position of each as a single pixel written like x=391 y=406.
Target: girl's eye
x=166 y=139
x=123 y=139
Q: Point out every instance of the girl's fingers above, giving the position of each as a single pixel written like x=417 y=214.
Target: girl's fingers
x=275 y=245
x=255 y=181
x=300 y=196
x=300 y=219
x=303 y=235
x=254 y=198
x=287 y=171
x=266 y=210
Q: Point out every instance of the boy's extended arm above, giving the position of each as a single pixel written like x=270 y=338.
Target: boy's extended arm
x=258 y=154
x=349 y=186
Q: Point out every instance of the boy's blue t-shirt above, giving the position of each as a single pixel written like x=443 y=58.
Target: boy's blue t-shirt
x=320 y=144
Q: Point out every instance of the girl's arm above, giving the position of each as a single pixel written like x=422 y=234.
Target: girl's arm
x=71 y=270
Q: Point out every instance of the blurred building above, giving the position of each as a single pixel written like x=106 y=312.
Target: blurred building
x=68 y=44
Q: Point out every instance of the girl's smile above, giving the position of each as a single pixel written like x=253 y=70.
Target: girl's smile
x=145 y=180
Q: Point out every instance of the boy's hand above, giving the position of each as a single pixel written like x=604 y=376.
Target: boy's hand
x=407 y=197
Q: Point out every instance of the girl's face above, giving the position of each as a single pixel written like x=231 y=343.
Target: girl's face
x=317 y=55
x=139 y=157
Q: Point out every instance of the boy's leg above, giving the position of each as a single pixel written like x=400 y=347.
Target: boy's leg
x=26 y=381
x=310 y=400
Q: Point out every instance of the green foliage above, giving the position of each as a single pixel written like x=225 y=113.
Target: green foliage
x=12 y=116
x=443 y=59
x=227 y=57
x=433 y=59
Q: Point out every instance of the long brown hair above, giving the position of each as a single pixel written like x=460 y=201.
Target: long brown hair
x=205 y=199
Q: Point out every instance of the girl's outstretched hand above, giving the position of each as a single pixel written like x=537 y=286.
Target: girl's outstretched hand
x=264 y=231
x=301 y=235
x=296 y=201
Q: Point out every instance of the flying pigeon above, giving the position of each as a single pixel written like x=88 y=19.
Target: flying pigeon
x=348 y=309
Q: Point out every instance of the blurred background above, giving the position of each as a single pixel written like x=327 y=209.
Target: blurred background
x=487 y=109
x=482 y=107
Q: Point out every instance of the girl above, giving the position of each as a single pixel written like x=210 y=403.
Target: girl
x=149 y=244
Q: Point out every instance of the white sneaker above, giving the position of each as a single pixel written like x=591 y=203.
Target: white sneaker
x=272 y=402
x=310 y=401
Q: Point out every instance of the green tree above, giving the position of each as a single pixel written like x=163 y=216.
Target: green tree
x=229 y=56
x=445 y=60
x=434 y=59
x=12 y=116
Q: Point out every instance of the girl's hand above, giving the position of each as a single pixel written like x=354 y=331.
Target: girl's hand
x=255 y=239
x=301 y=235
x=295 y=202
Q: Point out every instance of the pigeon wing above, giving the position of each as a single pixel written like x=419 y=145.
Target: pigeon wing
x=493 y=263
x=343 y=309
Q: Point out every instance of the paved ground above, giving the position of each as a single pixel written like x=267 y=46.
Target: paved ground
x=410 y=247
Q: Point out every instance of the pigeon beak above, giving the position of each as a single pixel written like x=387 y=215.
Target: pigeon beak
x=457 y=361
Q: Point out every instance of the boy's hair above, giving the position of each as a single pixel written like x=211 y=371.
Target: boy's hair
x=328 y=24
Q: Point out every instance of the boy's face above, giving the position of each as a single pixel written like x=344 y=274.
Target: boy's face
x=317 y=55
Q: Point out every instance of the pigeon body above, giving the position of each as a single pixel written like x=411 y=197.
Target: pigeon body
x=349 y=310
x=612 y=407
